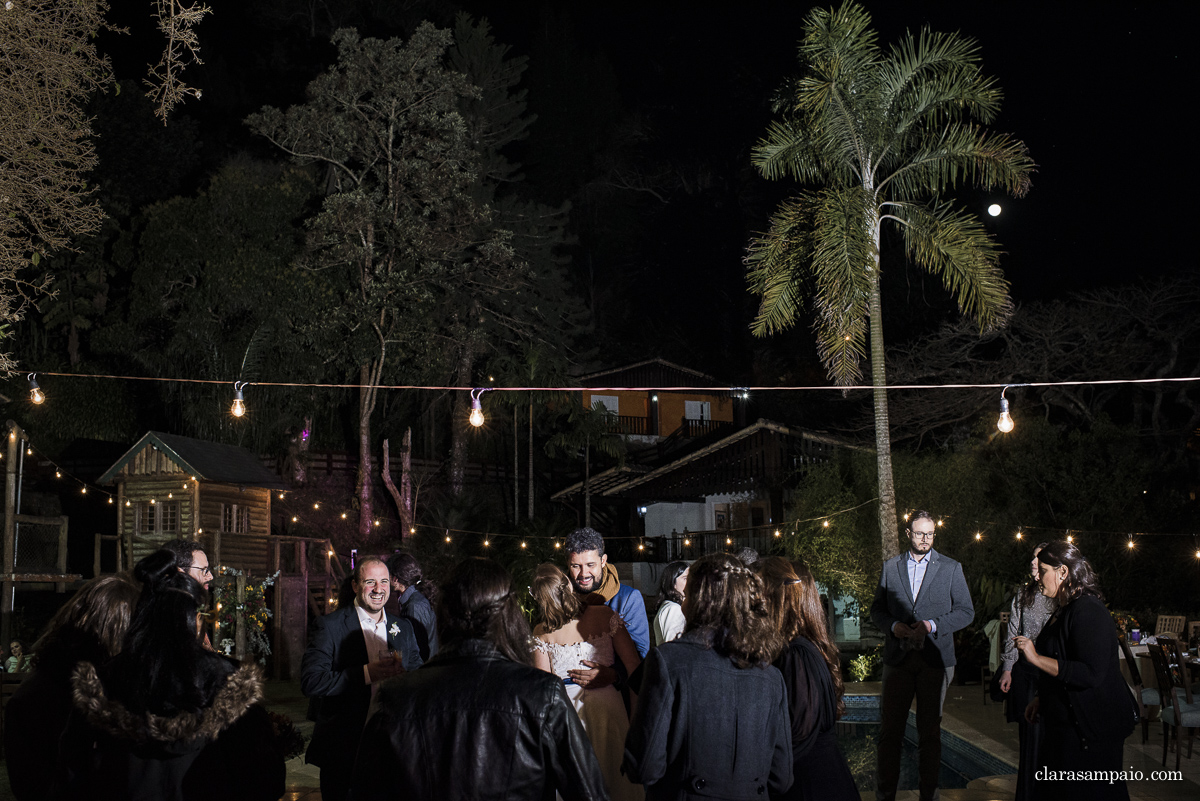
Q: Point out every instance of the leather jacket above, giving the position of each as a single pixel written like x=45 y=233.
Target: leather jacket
x=472 y=724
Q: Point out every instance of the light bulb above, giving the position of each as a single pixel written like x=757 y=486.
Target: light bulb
x=522 y=545
x=476 y=416
x=777 y=534
x=239 y=405
x=486 y=543
x=1005 y=423
x=687 y=543
x=35 y=393
x=447 y=538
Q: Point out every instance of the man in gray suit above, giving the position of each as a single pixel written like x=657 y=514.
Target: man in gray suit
x=922 y=599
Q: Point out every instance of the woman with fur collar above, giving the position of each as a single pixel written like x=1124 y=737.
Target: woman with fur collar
x=167 y=718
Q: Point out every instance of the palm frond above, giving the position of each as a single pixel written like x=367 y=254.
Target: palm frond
x=954 y=245
x=776 y=265
x=256 y=353
x=963 y=153
x=936 y=73
x=843 y=265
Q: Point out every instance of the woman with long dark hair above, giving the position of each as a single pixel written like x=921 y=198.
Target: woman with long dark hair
x=167 y=718
x=1082 y=699
x=1028 y=615
x=569 y=633
x=478 y=720
x=87 y=628
x=813 y=678
x=711 y=719
x=669 y=621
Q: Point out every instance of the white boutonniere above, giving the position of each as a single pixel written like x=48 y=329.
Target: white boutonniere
x=394 y=630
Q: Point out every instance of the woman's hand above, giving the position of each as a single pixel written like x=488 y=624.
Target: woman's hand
x=1005 y=681
x=1025 y=646
x=1031 y=711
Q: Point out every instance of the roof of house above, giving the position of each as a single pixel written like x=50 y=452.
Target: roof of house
x=207 y=461
x=763 y=454
x=651 y=373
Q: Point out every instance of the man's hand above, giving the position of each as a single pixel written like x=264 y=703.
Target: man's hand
x=385 y=668
x=902 y=630
x=598 y=676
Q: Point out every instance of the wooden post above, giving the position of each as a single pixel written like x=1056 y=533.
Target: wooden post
x=10 y=533
x=239 y=641
x=197 y=527
x=60 y=586
x=122 y=543
x=276 y=610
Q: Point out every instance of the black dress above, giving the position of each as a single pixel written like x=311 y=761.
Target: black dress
x=819 y=767
x=1087 y=708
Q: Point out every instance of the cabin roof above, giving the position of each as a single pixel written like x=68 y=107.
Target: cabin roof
x=207 y=461
x=652 y=373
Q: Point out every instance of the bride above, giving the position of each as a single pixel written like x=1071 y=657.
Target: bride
x=571 y=634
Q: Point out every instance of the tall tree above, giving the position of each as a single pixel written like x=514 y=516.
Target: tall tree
x=881 y=136
x=399 y=223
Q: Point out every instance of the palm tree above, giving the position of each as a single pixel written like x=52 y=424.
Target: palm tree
x=880 y=136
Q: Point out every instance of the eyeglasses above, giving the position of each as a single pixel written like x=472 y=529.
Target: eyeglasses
x=204 y=571
x=921 y=535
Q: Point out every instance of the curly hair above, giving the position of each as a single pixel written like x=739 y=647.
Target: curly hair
x=795 y=605
x=725 y=605
x=582 y=540
x=666 y=583
x=477 y=602
x=1080 y=580
x=556 y=600
x=182 y=551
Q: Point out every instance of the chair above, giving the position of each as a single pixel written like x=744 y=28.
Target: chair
x=1170 y=625
x=1180 y=710
x=1146 y=696
x=985 y=673
x=1193 y=630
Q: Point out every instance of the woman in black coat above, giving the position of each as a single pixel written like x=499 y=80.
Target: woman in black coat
x=1082 y=700
x=87 y=628
x=813 y=678
x=167 y=719
x=711 y=720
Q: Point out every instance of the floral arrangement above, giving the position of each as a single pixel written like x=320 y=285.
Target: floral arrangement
x=251 y=611
x=1125 y=621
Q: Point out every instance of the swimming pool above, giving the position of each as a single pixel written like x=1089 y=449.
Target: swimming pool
x=858 y=733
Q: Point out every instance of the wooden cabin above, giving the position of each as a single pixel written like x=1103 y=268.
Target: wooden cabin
x=171 y=487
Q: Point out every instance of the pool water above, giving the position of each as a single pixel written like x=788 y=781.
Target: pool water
x=858 y=742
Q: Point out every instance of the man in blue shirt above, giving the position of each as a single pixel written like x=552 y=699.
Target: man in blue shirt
x=596 y=581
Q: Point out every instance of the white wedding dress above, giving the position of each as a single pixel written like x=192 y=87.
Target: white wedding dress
x=602 y=710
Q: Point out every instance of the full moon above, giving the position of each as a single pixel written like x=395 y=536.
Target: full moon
x=994 y=209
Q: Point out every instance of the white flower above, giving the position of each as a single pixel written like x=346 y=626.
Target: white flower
x=394 y=630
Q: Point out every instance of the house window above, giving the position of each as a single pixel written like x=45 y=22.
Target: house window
x=235 y=518
x=697 y=410
x=158 y=517
x=609 y=401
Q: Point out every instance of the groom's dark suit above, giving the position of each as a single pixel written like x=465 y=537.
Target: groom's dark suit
x=923 y=672
x=332 y=677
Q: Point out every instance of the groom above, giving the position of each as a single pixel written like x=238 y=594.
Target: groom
x=351 y=650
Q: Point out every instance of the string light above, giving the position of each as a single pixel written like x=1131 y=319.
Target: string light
x=825 y=524
x=316 y=506
x=295 y=519
x=35 y=392
x=239 y=405
x=1019 y=535
x=110 y=500
x=84 y=491
x=522 y=543
x=978 y=536
x=687 y=543
x=377 y=522
x=557 y=544
x=343 y=515
x=1129 y=544
x=1005 y=423
x=281 y=496
x=777 y=534
x=58 y=474
x=447 y=538
x=728 y=541
x=486 y=543
x=29 y=451
x=939 y=522
x=477 y=406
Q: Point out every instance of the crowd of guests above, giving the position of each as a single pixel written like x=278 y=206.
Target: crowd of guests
x=448 y=692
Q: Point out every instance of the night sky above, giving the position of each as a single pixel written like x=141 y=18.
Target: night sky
x=1098 y=91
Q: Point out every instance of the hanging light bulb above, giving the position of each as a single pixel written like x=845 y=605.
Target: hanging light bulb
x=522 y=544
x=1020 y=535
x=35 y=392
x=239 y=405
x=777 y=534
x=447 y=538
x=476 y=406
x=110 y=500
x=1129 y=544
x=978 y=536
x=1005 y=423
x=486 y=543
x=84 y=490
x=687 y=543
